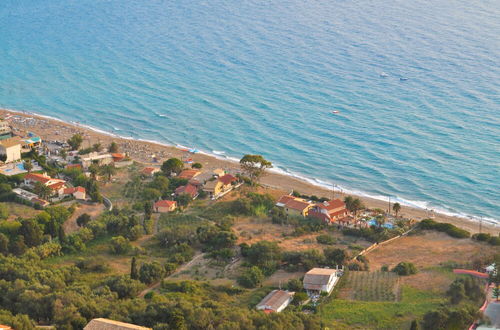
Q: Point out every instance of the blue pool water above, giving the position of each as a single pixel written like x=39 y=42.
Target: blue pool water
x=387 y=225
x=235 y=77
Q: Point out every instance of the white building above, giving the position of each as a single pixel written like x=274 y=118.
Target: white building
x=276 y=301
x=11 y=147
x=319 y=280
x=5 y=128
x=99 y=159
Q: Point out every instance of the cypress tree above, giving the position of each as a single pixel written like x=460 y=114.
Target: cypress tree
x=62 y=235
x=134 y=274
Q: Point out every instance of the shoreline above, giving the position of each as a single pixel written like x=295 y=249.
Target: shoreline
x=140 y=150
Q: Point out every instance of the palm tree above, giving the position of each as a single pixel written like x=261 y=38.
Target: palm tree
x=356 y=205
x=396 y=208
x=42 y=190
x=380 y=219
x=108 y=171
x=63 y=154
x=348 y=202
x=93 y=170
x=28 y=166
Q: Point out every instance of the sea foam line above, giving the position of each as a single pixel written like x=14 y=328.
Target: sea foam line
x=422 y=205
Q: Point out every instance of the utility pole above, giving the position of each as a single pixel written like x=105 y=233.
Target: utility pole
x=389 y=211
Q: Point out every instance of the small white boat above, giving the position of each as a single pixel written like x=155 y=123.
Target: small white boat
x=335 y=111
x=403 y=79
x=383 y=74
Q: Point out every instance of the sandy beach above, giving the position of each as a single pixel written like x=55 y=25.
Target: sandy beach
x=141 y=151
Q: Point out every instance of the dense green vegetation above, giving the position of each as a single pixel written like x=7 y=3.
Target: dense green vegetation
x=448 y=228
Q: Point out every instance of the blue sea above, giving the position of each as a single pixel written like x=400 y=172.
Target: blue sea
x=416 y=84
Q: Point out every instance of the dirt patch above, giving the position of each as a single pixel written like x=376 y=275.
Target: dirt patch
x=427 y=250
x=281 y=277
x=70 y=226
x=431 y=280
x=253 y=230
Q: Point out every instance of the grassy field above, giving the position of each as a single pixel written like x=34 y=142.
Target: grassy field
x=372 y=286
x=343 y=313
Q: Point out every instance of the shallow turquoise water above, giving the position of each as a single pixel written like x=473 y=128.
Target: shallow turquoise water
x=264 y=76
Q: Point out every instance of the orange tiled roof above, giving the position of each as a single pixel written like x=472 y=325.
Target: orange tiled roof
x=165 y=203
x=37 y=177
x=227 y=179
x=188 y=174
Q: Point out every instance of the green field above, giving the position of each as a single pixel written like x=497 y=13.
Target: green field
x=342 y=313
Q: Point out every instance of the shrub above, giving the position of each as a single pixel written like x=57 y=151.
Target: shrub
x=326 y=239
x=448 y=228
x=405 y=268
x=119 y=245
x=251 y=278
x=124 y=286
x=83 y=220
x=151 y=272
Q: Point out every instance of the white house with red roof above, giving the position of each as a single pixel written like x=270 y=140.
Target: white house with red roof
x=164 y=206
x=77 y=192
x=57 y=185
x=329 y=211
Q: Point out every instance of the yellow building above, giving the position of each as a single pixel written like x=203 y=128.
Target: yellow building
x=294 y=206
x=219 y=186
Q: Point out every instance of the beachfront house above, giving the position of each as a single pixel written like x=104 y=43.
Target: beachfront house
x=275 y=301
x=107 y=324
x=329 y=211
x=96 y=158
x=164 y=206
x=11 y=148
x=220 y=186
x=219 y=172
x=294 y=206
x=5 y=130
x=319 y=280
x=32 y=142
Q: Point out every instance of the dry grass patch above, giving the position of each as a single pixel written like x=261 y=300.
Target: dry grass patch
x=426 y=250
x=17 y=210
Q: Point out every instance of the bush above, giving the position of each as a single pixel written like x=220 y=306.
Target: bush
x=151 y=272
x=448 y=228
x=326 y=239
x=484 y=237
x=119 y=245
x=251 y=278
x=83 y=220
x=405 y=268
x=124 y=286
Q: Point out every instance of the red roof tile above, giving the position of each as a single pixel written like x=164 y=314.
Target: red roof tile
x=187 y=189
x=165 y=203
x=188 y=174
x=331 y=205
x=227 y=179
x=57 y=185
x=37 y=177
